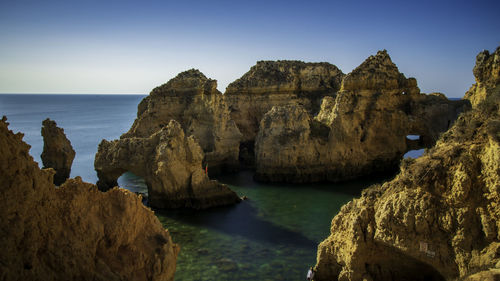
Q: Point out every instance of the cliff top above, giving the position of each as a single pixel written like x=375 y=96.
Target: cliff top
x=487 y=66
x=376 y=72
x=487 y=74
x=291 y=74
x=187 y=81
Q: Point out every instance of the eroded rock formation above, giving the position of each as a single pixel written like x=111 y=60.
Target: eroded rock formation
x=362 y=131
x=194 y=101
x=74 y=232
x=272 y=83
x=487 y=74
x=171 y=165
x=439 y=219
x=58 y=153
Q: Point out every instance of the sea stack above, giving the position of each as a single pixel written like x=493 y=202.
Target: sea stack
x=74 y=232
x=361 y=131
x=195 y=103
x=274 y=83
x=58 y=153
x=439 y=218
x=171 y=164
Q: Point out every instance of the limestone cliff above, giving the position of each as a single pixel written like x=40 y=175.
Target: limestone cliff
x=487 y=74
x=273 y=83
x=439 y=219
x=74 y=232
x=58 y=153
x=194 y=101
x=171 y=165
x=362 y=131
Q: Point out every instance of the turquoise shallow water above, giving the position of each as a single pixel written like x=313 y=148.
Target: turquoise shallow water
x=272 y=236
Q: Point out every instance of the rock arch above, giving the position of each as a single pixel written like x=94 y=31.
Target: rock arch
x=171 y=165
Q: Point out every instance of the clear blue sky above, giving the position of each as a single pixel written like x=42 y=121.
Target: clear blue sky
x=133 y=46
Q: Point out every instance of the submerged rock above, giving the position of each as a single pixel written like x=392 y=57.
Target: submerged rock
x=58 y=153
x=361 y=131
x=439 y=219
x=194 y=101
x=273 y=83
x=74 y=232
x=171 y=165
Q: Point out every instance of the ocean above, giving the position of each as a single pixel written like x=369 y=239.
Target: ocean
x=272 y=236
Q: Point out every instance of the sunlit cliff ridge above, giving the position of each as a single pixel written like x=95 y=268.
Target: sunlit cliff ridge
x=439 y=218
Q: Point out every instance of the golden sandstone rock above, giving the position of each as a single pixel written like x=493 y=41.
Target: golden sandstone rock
x=171 y=165
x=487 y=74
x=74 y=232
x=194 y=101
x=438 y=219
x=362 y=131
x=58 y=153
x=273 y=83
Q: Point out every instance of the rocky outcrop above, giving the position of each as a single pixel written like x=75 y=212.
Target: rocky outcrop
x=487 y=74
x=439 y=219
x=58 y=153
x=74 y=232
x=194 y=101
x=273 y=83
x=171 y=165
x=362 y=131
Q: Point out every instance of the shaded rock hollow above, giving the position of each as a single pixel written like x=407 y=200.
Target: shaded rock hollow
x=273 y=83
x=439 y=219
x=194 y=101
x=361 y=131
x=58 y=153
x=171 y=165
x=74 y=232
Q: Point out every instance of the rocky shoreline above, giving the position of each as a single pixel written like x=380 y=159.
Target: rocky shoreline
x=291 y=121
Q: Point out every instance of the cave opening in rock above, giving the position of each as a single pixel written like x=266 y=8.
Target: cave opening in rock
x=413 y=137
x=415 y=153
x=134 y=183
x=393 y=264
x=415 y=145
x=247 y=154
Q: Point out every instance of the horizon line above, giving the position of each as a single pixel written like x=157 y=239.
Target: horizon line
x=60 y=93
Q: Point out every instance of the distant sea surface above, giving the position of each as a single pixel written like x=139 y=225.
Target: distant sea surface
x=272 y=236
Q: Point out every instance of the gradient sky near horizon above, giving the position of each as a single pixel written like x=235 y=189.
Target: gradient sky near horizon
x=133 y=46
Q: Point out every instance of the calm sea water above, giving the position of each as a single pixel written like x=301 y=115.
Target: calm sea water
x=272 y=236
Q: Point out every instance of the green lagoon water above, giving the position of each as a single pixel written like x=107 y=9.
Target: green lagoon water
x=272 y=236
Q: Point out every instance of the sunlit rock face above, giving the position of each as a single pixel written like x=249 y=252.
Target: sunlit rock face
x=171 y=165
x=361 y=131
x=274 y=83
x=487 y=74
x=58 y=153
x=194 y=101
x=438 y=219
x=74 y=232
